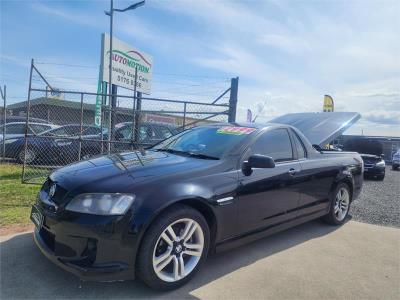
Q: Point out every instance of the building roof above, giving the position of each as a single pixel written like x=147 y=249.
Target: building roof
x=52 y=102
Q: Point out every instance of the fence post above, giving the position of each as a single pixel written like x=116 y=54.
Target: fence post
x=113 y=106
x=102 y=116
x=233 y=99
x=134 y=111
x=4 y=96
x=184 y=115
x=137 y=116
x=80 y=131
x=28 y=108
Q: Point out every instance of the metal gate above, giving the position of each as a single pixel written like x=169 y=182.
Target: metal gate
x=84 y=125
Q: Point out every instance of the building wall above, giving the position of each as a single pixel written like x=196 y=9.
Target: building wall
x=390 y=144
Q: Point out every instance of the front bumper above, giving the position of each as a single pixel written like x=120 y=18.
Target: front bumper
x=93 y=248
x=374 y=171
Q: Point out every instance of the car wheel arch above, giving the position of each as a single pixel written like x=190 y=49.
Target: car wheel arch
x=198 y=204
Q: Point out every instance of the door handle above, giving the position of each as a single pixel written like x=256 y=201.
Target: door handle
x=292 y=172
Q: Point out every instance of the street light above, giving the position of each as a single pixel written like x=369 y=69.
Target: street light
x=111 y=14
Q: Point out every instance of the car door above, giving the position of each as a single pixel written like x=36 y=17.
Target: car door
x=269 y=196
x=317 y=176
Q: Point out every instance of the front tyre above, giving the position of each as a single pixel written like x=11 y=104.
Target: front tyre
x=173 y=249
x=340 y=205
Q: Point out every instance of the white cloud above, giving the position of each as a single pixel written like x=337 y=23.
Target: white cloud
x=290 y=44
x=290 y=53
x=297 y=53
x=73 y=16
x=383 y=117
x=14 y=60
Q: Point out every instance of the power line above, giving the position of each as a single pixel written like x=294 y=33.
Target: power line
x=155 y=73
x=65 y=65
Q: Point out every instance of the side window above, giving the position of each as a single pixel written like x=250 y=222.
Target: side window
x=38 y=128
x=58 y=132
x=74 y=130
x=91 y=130
x=125 y=133
x=165 y=132
x=275 y=143
x=301 y=152
x=15 y=128
x=145 y=132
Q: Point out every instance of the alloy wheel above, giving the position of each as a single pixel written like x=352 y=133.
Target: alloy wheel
x=342 y=202
x=28 y=156
x=178 y=250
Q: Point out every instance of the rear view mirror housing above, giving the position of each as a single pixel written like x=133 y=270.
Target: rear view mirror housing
x=257 y=161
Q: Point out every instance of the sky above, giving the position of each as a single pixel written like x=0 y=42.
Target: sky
x=287 y=54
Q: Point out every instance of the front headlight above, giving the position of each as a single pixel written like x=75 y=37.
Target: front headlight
x=101 y=204
x=10 y=141
x=381 y=163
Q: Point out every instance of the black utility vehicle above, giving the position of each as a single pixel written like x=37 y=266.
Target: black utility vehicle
x=158 y=214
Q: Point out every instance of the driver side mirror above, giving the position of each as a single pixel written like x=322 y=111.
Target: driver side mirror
x=257 y=161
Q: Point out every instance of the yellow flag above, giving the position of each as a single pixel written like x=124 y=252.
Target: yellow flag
x=328 y=104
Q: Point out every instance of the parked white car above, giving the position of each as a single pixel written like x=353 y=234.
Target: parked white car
x=17 y=129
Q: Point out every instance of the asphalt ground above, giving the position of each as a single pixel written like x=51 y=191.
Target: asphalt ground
x=379 y=201
x=311 y=261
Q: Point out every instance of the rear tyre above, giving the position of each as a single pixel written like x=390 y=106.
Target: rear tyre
x=340 y=205
x=173 y=249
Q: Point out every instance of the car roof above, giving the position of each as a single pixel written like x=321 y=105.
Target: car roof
x=148 y=123
x=30 y=123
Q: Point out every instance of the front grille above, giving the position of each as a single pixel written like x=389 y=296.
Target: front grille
x=370 y=162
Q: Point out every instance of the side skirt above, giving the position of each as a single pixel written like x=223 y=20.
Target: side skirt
x=239 y=241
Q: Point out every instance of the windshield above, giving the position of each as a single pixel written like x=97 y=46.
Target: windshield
x=205 y=142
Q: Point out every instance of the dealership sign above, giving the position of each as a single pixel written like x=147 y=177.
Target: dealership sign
x=125 y=61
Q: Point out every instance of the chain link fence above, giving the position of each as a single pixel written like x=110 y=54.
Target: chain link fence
x=64 y=126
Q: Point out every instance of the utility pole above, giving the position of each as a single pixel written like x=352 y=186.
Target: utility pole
x=110 y=85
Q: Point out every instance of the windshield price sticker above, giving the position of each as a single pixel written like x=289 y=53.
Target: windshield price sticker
x=235 y=130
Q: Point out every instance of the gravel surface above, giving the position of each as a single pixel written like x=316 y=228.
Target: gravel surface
x=379 y=202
